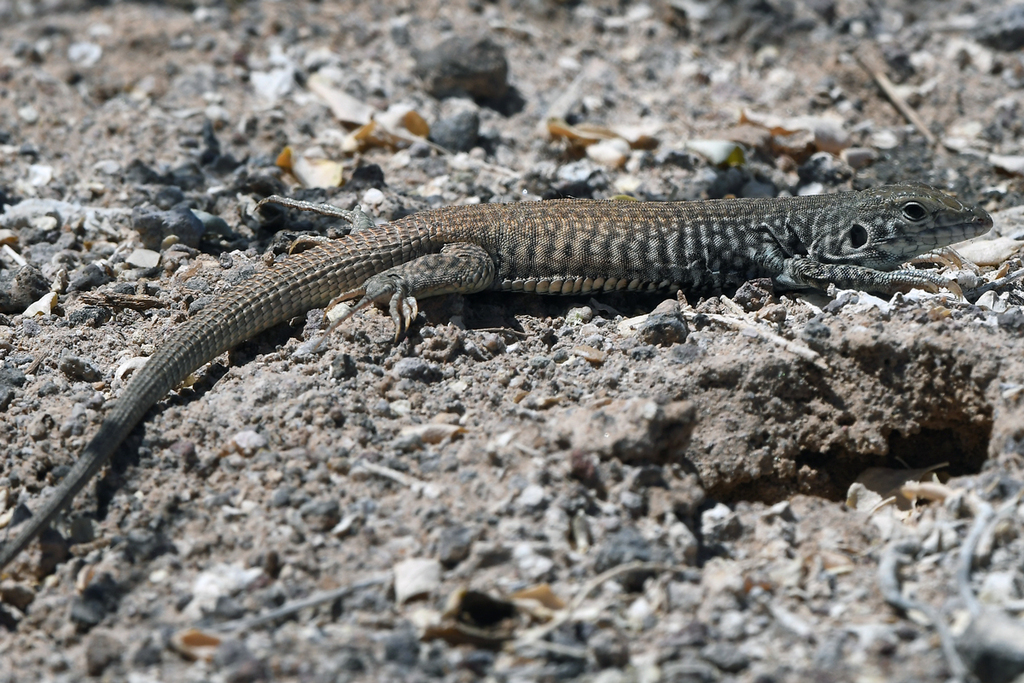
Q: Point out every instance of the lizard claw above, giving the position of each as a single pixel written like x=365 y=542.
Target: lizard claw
x=403 y=311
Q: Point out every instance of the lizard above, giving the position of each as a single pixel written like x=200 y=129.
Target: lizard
x=563 y=246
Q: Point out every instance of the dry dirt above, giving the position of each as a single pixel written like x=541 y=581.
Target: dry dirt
x=510 y=441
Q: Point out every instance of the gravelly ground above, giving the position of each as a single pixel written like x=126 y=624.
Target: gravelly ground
x=510 y=441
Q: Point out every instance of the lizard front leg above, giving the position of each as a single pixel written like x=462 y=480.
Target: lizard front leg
x=801 y=272
x=461 y=268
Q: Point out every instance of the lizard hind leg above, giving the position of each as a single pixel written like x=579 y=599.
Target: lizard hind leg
x=460 y=268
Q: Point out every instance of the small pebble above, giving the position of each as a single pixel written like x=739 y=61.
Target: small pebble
x=415 y=578
x=143 y=258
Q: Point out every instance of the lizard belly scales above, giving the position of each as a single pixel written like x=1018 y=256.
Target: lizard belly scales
x=556 y=247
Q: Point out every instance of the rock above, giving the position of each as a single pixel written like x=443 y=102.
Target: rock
x=457 y=133
x=23 y=289
x=99 y=597
x=247 y=442
x=532 y=499
x=415 y=578
x=726 y=657
x=321 y=515
x=143 y=258
x=533 y=566
x=476 y=67
x=17 y=594
x=402 y=647
x=343 y=367
x=612 y=153
x=79 y=369
x=156 y=226
x=858 y=157
x=101 y=650
x=631 y=429
x=107 y=166
x=609 y=648
x=28 y=114
x=417 y=369
x=720 y=524
x=89 y=316
x=621 y=547
x=238 y=664
x=145 y=544
x=1002 y=30
x=84 y=54
x=219 y=580
x=824 y=168
x=88 y=277
x=992 y=647
x=454 y=545
x=663 y=328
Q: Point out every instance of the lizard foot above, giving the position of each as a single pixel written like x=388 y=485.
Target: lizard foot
x=382 y=287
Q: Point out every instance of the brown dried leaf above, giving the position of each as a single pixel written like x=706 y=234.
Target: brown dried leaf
x=541 y=593
x=193 y=644
x=434 y=432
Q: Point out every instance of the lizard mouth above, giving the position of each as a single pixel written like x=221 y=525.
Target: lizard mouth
x=938 y=237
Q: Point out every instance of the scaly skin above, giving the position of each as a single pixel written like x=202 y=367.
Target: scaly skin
x=556 y=247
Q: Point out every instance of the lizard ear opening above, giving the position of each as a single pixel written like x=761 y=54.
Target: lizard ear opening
x=858 y=236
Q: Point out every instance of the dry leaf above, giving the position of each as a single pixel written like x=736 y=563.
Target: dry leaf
x=193 y=644
x=541 y=593
x=888 y=481
x=344 y=107
x=317 y=172
x=434 y=432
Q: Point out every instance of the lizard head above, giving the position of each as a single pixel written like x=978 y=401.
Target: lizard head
x=889 y=225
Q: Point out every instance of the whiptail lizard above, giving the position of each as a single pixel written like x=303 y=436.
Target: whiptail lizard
x=853 y=240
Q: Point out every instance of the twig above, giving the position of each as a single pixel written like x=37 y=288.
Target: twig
x=532 y=638
x=298 y=605
x=810 y=355
x=400 y=478
x=13 y=255
x=984 y=518
x=1008 y=279
x=36 y=363
x=890 y=92
x=897 y=554
x=967 y=550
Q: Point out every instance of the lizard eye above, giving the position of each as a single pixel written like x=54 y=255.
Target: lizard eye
x=913 y=211
x=858 y=236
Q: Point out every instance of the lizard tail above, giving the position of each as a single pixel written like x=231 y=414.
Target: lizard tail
x=287 y=289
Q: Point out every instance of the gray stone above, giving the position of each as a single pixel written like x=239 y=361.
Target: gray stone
x=476 y=67
x=321 y=515
x=824 y=168
x=453 y=545
x=101 y=650
x=417 y=369
x=25 y=287
x=993 y=647
x=457 y=133
x=663 y=329
x=1003 y=30
x=155 y=226
x=88 y=277
x=610 y=649
x=79 y=369
x=726 y=657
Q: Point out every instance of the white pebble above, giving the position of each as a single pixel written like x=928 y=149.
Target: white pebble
x=416 y=577
x=84 y=53
x=144 y=258
x=28 y=114
x=373 y=197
